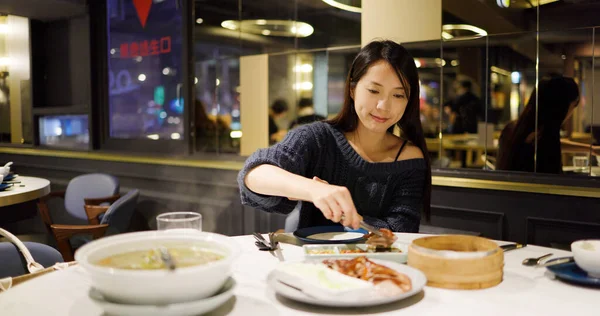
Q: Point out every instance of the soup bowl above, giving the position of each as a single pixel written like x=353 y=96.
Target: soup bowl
x=158 y=286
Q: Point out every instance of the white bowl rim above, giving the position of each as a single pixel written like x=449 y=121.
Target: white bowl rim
x=82 y=254
x=577 y=244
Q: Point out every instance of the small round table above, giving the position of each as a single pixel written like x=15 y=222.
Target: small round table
x=29 y=189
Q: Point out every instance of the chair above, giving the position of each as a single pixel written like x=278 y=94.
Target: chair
x=13 y=264
x=115 y=220
x=87 y=189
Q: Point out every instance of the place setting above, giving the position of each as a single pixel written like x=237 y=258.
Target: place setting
x=178 y=270
x=6 y=177
x=583 y=268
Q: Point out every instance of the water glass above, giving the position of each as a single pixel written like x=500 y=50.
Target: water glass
x=581 y=162
x=179 y=220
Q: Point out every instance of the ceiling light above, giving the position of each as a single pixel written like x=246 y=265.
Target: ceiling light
x=286 y=28
x=142 y=77
x=306 y=68
x=153 y=136
x=447 y=36
x=450 y=28
x=4 y=61
x=199 y=21
x=304 y=86
x=347 y=5
x=175 y=136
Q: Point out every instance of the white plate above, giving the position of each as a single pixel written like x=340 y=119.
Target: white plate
x=417 y=278
x=400 y=257
x=179 y=309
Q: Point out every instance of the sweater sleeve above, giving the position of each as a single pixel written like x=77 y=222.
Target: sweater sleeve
x=404 y=213
x=294 y=153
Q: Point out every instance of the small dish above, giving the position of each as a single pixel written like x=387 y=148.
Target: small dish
x=572 y=273
x=337 y=251
x=196 y=307
x=330 y=235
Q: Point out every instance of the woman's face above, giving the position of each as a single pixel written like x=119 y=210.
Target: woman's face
x=379 y=97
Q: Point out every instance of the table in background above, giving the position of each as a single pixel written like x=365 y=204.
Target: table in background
x=29 y=189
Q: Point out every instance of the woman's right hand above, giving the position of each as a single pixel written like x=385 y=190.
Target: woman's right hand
x=334 y=202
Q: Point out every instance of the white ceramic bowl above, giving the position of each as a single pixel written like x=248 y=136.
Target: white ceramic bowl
x=587 y=256
x=158 y=286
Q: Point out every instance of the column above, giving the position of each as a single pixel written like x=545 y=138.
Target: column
x=402 y=21
x=254 y=103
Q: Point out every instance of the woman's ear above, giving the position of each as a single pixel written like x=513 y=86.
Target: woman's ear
x=352 y=93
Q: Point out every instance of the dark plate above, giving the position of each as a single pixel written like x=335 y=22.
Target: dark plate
x=572 y=273
x=305 y=233
x=4 y=186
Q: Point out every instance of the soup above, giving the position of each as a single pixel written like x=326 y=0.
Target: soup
x=150 y=259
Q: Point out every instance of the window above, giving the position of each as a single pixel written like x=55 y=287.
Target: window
x=145 y=70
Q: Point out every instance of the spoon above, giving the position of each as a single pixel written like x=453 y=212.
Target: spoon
x=165 y=256
x=535 y=261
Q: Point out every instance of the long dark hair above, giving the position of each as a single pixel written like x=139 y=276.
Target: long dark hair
x=410 y=123
x=555 y=97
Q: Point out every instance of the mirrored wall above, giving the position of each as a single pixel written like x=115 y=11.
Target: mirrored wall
x=509 y=88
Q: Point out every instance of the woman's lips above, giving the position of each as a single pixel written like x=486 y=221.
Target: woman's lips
x=378 y=119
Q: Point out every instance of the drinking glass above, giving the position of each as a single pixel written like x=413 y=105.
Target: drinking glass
x=179 y=220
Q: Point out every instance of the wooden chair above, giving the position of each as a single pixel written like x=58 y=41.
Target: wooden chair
x=87 y=189
x=115 y=220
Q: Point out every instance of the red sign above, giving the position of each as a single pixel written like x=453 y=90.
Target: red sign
x=142 y=7
x=146 y=48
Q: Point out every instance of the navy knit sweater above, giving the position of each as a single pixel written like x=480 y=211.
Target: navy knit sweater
x=387 y=194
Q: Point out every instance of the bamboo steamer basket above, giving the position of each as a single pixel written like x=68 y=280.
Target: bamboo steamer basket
x=457 y=261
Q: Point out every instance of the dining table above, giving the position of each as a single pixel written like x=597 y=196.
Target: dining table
x=24 y=189
x=525 y=290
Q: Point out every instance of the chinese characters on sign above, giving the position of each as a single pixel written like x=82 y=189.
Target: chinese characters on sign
x=146 y=48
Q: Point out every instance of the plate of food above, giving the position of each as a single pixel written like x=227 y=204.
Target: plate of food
x=356 y=282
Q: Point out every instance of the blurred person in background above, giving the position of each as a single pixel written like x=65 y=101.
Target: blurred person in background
x=279 y=109
x=306 y=113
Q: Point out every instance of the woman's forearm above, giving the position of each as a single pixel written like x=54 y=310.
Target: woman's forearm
x=577 y=147
x=272 y=180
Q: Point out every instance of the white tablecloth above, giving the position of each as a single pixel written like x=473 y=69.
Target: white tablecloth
x=28 y=189
x=524 y=291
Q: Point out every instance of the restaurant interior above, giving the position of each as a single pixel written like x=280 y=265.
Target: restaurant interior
x=149 y=107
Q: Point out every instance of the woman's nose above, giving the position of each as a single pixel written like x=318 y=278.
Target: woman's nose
x=383 y=104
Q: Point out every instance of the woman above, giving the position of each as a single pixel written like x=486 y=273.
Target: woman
x=353 y=167
x=558 y=96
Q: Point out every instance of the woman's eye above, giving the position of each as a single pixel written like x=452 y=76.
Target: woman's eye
x=373 y=91
x=399 y=96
